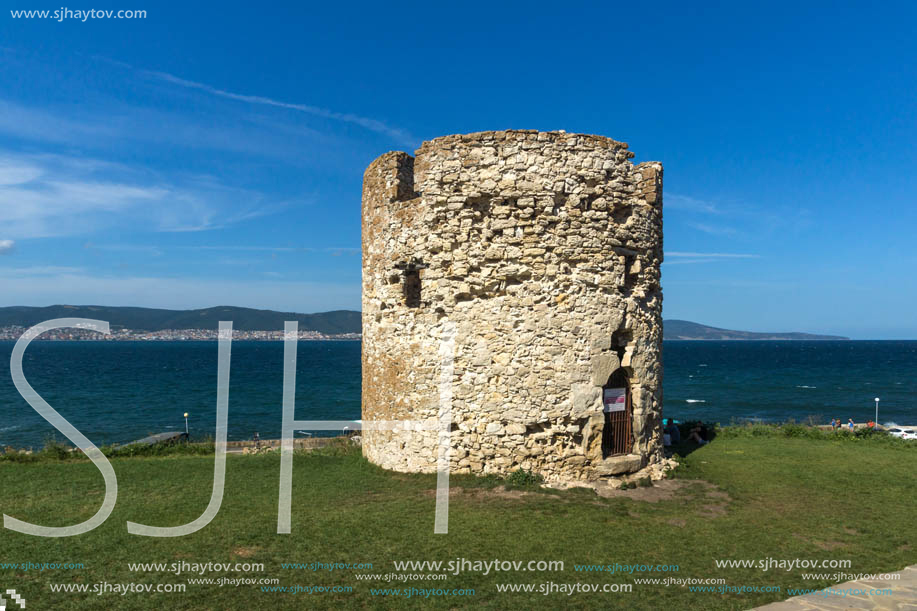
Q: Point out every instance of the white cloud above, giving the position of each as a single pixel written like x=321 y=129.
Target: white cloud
x=7 y=246
x=12 y=173
x=34 y=124
x=370 y=124
x=54 y=195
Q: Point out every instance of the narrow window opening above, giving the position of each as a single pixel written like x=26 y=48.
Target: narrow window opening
x=620 y=339
x=629 y=271
x=410 y=272
x=412 y=289
x=630 y=267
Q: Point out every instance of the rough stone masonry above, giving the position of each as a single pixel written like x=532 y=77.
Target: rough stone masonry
x=544 y=251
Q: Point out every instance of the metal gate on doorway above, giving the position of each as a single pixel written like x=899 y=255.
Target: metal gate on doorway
x=617 y=434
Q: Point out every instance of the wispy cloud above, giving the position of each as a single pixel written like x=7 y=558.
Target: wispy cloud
x=684 y=202
x=154 y=251
x=337 y=252
x=54 y=195
x=41 y=201
x=118 y=125
x=713 y=229
x=762 y=284
x=371 y=124
x=48 y=126
x=333 y=250
x=688 y=261
x=690 y=258
x=7 y=246
x=12 y=173
x=699 y=211
x=43 y=286
x=38 y=270
x=712 y=255
x=737 y=219
x=231 y=247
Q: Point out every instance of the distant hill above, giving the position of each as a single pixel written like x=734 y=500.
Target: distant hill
x=683 y=329
x=152 y=319
x=329 y=323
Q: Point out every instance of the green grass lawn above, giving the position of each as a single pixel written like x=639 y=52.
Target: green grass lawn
x=772 y=497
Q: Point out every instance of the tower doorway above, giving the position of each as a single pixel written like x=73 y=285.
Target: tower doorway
x=617 y=434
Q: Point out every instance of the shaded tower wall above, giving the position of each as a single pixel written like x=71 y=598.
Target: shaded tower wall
x=544 y=250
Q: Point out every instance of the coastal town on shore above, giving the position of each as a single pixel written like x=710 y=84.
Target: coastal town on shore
x=133 y=335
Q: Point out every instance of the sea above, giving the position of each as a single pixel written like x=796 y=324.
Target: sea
x=117 y=392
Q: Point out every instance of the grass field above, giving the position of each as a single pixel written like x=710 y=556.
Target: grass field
x=744 y=496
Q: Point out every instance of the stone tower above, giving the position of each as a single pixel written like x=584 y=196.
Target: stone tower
x=543 y=250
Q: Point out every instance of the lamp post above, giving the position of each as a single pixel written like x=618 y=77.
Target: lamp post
x=186 y=423
x=877 y=414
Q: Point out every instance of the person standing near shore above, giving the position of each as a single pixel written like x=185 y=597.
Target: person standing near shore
x=850 y=423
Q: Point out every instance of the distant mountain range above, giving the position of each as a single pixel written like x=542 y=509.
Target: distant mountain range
x=683 y=329
x=152 y=319
x=330 y=323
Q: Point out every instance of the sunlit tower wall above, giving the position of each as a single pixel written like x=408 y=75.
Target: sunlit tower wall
x=543 y=249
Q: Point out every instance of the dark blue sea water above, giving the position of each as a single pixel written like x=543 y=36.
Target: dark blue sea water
x=120 y=391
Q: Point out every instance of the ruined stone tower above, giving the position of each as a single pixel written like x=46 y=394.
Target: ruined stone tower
x=543 y=250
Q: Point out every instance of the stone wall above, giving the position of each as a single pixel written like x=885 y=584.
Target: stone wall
x=543 y=249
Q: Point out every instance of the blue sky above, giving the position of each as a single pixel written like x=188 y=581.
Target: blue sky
x=206 y=156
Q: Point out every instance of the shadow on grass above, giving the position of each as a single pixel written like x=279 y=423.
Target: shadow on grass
x=688 y=444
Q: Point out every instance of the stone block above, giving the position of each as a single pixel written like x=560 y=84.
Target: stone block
x=617 y=465
x=603 y=365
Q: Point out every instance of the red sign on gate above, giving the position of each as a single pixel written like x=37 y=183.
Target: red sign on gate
x=614 y=399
